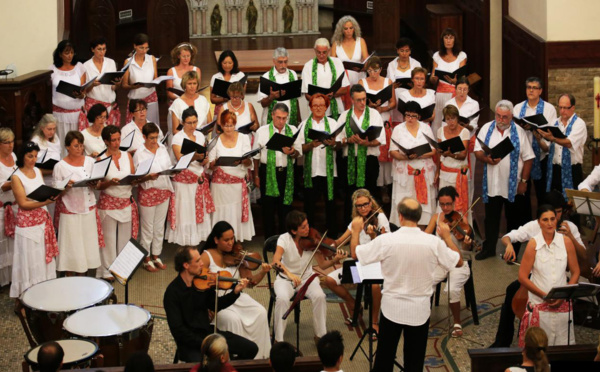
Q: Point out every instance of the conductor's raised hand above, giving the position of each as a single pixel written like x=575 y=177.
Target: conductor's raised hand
x=357 y=224
x=443 y=230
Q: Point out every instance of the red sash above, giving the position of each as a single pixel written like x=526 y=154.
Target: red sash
x=61 y=208
x=534 y=320
x=9 y=220
x=202 y=194
x=114 y=118
x=471 y=150
x=420 y=184
x=219 y=176
x=462 y=186
x=384 y=150
x=148 y=99
x=446 y=88
x=109 y=203
x=34 y=217
x=153 y=197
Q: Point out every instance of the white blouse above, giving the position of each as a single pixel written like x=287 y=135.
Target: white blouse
x=143 y=74
x=241 y=147
x=124 y=170
x=74 y=77
x=103 y=92
x=200 y=104
x=162 y=161
x=451 y=162
x=200 y=139
x=77 y=200
x=92 y=144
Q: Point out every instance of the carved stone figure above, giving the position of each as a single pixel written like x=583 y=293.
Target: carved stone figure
x=288 y=17
x=215 y=20
x=251 y=17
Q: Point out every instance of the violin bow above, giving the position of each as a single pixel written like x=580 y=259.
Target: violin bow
x=216 y=300
x=462 y=215
x=313 y=254
x=241 y=262
x=345 y=241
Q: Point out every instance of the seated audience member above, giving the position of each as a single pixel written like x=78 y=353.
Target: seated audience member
x=331 y=351
x=534 y=352
x=139 y=361
x=282 y=357
x=214 y=355
x=50 y=357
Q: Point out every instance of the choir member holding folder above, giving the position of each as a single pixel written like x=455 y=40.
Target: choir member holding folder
x=243 y=111
x=505 y=175
x=229 y=186
x=93 y=142
x=35 y=241
x=399 y=71
x=116 y=208
x=66 y=106
x=76 y=211
x=413 y=171
x=448 y=63
x=418 y=93
x=102 y=91
x=348 y=46
x=182 y=56
x=7 y=215
x=190 y=98
x=228 y=72
x=138 y=108
x=46 y=137
x=154 y=195
x=192 y=224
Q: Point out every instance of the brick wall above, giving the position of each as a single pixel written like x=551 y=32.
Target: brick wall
x=580 y=83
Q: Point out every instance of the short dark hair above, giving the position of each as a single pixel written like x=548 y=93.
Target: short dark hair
x=25 y=149
x=97 y=41
x=73 y=135
x=543 y=209
x=448 y=191
x=293 y=220
x=281 y=107
x=61 y=47
x=183 y=255
x=225 y=54
x=282 y=356
x=555 y=198
x=149 y=128
x=217 y=232
x=188 y=112
x=133 y=104
x=569 y=96
x=330 y=348
x=140 y=39
x=50 y=356
x=463 y=80
x=108 y=131
x=404 y=41
x=409 y=214
x=139 y=361
x=534 y=79
x=95 y=111
x=356 y=88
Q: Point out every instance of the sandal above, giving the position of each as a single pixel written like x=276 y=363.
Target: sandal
x=375 y=332
x=149 y=266
x=159 y=264
x=457 y=330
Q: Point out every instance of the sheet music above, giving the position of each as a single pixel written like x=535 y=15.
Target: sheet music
x=127 y=141
x=144 y=167
x=126 y=262
x=62 y=184
x=369 y=272
x=184 y=161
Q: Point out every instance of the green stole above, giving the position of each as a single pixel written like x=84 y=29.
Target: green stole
x=356 y=172
x=335 y=112
x=271 y=186
x=293 y=101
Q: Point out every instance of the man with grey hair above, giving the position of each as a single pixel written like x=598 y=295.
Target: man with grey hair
x=504 y=180
x=323 y=71
x=280 y=74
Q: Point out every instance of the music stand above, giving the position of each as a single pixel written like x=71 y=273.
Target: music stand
x=570 y=292
x=127 y=262
x=585 y=203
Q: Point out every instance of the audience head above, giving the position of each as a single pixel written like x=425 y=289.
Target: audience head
x=46 y=128
x=64 y=52
x=294 y=221
x=24 y=150
x=183 y=53
x=139 y=361
x=347 y=26
x=183 y=256
x=449 y=40
x=282 y=357
x=536 y=344
x=331 y=349
x=50 y=357
x=97 y=112
x=228 y=63
x=213 y=353
x=409 y=210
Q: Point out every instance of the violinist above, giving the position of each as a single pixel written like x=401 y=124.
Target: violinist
x=458 y=276
x=245 y=317
x=363 y=205
x=187 y=310
x=296 y=265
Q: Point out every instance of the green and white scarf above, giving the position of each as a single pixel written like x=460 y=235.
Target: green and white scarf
x=356 y=172
x=271 y=186
x=308 y=160
x=293 y=101
x=335 y=113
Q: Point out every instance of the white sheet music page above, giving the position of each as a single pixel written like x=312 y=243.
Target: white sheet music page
x=126 y=262
x=369 y=272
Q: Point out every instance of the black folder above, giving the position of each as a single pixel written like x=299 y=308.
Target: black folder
x=44 y=162
x=454 y=144
x=278 y=141
x=154 y=83
x=419 y=150
x=230 y=161
x=180 y=92
x=245 y=129
x=461 y=71
x=384 y=95
x=205 y=129
x=405 y=83
x=424 y=112
x=72 y=89
x=539 y=121
x=371 y=133
x=107 y=78
x=322 y=136
x=464 y=121
x=190 y=146
x=357 y=66
x=499 y=151
x=293 y=89
x=314 y=89
x=43 y=193
x=220 y=86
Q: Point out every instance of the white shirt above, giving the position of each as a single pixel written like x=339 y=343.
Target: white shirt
x=408 y=259
x=201 y=106
x=319 y=154
x=385 y=116
x=374 y=121
x=532 y=228
x=499 y=174
x=393 y=73
x=549 y=113
x=468 y=108
x=591 y=181
x=451 y=162
x=279 y=79
x=138 y=137
x=103 y=92
x=262 y=137
x=427 y=100
x=73 y=77
x=241 y=147
x=92 y=144
x=382 y=221
x=77 y=199
x=549 y=266
x=54 y=148
x=577 y=137
x=141 y=74
x=124 y=170
x=292 y=259
x=162 y=161
x=178 y=138
x=324 y=78
x=448 y=66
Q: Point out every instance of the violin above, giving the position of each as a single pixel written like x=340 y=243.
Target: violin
x=458 y=227
x=375 y=223
x=250 y=260
x=310 y=242
x=207 y=280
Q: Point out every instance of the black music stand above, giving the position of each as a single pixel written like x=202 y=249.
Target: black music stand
x=127 y=262
x=570 y=292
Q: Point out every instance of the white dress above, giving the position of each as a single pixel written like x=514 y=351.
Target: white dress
x=200 y=104
x=6 y=243
x=78 y=252
x=353 y=76
x=441 y=98
x=228 y=197
x=246 y=317
x=67 y=121
x=55 y=151
x=29 y=260
x=187 y=231
x=144 y=74
x=449 y=178
x=92 y=144
x=393 y=73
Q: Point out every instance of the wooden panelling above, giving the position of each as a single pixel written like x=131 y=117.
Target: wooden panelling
x=93 y=19
x=573 y=54
x=386 y=30
x=168 y=24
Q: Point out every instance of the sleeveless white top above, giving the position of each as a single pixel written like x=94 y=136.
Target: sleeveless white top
x=144 y=74
x=5 y=172
x=73 y=77
x=102 y=92
x=114 y=172
x=200 y=139
x=549 y=267
x=29 y=185
x=177 y=80
x=385 y=116
x=200 y=104
x=448 y=66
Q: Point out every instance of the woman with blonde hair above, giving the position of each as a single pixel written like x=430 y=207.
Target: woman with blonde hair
x=182 y=56
x=214 y=355
x=189 y=98
x=348 y=45
x=534 y=352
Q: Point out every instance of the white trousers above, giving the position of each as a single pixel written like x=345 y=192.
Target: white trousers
x=152 y=223
x=284 y=292
x=116 y=236
x=457 y=279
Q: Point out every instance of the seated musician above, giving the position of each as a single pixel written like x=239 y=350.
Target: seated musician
x=187 y=310
x=365 y=206
x=298 y=274
x=50 y=357
x=458 y=275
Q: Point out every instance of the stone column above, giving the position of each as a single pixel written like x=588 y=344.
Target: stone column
x=310 y=6
x=265 y=10
x=275 y=18
x=202 y=7
x=299 y=6
x=229 y=9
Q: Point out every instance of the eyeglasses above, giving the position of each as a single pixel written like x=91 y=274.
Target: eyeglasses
x=318 y=106
x=446 y=204
x=462 y=90
x=414 y=116
x=364 y=205
x=503 y=117
x=194 y=122
x=142 y=109
x=564 y=107
x=532 y=87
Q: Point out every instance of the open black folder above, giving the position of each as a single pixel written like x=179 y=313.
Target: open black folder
x=205 y=129
x=44 y=161
x=322 y=136
x=418 y=150
x=99 y=171
x=314 y=89
x=424 y=112
x=461 y=71
x=405 y=83
x=108 y=78
x=245 y=129
x=499 y=151
x=233 y=161
x=384 y=95
x=290 y=90
x=180 y=92
x=464 y=121
x=454 y=144
x=220 y=86
x=278 y=141
x=72 y=89
x=154 y=83
x=357 y=66
x=191 y=146
x=43 y=192
x=371 y=133
x=182 y=164
x=539 y=121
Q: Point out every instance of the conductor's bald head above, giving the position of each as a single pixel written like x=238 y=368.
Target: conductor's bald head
x=410 y=210
x=50 y=357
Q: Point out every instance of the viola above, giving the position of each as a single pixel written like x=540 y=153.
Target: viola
x=250 y=260
x=310 y=242
x=207 y=280
x=458 y=227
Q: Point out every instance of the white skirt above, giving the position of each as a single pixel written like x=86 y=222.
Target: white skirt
x=247 y=318
x=6 y=251
x=385 y=173
x=29 y=261
x=440 y=101
x=187 y=231
x=399 y=192
x=228 y=207
x=66 y=122
x=78 y=251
